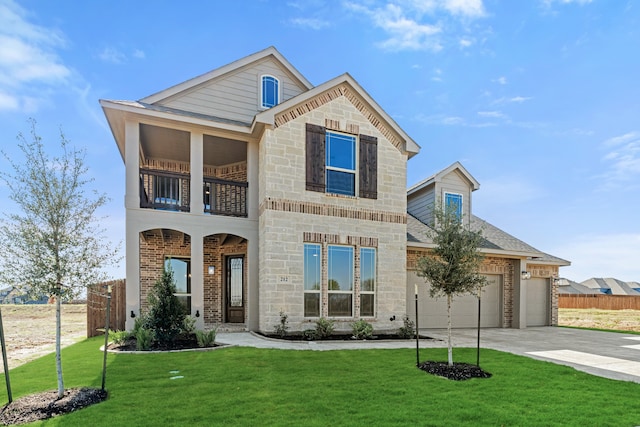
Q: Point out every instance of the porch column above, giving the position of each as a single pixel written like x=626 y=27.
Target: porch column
x=252 y=179
x=132 y=164
x=519 y=296
x=197 y=205
x=132 y=239
x=197 y=278
x=253 y=298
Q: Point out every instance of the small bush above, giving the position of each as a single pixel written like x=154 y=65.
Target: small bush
x=119 y=337
x=144 y=338
x=362 y=329
x=324 y=328
x=166 y=313
x=282 y=328
x=206 y=338
x=309 y=334
x=408 y=329
x=189 y=325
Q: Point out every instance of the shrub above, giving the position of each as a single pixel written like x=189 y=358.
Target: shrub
x=362 y=329
x=206 y=338
x=119 y=337
x=324 y=328
x=282 y=328
x=166 y=313
x=309 y=334
x=144 y=338
x=189 y=325
x=408 y=329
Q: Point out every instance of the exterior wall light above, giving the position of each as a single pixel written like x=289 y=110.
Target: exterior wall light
x=211 y=269
x=525 y=275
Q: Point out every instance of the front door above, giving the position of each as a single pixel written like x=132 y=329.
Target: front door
x=234 y=289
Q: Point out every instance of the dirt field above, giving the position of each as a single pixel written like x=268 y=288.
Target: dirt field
x=622 y=320
x=30 y=330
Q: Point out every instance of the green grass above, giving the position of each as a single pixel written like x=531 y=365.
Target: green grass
x=247 y=386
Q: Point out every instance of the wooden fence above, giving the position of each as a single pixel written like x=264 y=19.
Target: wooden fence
x=603 y=302
x=97 y=305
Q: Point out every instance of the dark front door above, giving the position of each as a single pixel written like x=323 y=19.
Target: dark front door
x=235 y=289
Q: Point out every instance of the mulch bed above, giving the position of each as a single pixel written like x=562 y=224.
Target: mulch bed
x=457 y=372
x=45 y=405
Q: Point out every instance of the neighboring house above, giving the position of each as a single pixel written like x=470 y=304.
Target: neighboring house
x=610 y=286
x=265 y=193
x=566 y=286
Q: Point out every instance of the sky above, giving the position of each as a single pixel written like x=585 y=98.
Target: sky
x=539 y=99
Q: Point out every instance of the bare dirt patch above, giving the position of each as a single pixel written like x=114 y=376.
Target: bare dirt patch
x=621 y=320
x=30 y=330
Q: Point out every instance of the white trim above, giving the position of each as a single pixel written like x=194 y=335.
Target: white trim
x=261 y=105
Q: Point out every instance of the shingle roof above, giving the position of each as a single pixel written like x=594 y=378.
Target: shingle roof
x=617 y=287
x=493 y=239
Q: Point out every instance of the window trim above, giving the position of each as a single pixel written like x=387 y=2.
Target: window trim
x=189 y=292
x=375 y=280
x=276 y=81
x=354 y=172
x=312 y=291
x=341 y=292
x=460 y=208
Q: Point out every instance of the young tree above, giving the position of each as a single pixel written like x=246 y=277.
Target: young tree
x=53 y=244
x=452 y=267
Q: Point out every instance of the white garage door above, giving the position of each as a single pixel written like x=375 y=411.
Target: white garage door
x=433 y=311
x=537 y=302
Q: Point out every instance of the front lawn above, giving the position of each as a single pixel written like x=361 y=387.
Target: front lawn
x=247 y=386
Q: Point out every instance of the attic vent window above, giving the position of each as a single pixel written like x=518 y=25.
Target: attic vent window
x=453 y=203
x=270 y=91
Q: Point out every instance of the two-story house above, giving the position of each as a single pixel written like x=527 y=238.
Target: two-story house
x=266 y=194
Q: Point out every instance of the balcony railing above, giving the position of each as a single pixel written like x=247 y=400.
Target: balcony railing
x=224 y=197
x=170 y=191
x=164 y=190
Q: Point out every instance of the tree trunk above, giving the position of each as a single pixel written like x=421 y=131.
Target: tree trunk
x=449 y=346
x=58 y=358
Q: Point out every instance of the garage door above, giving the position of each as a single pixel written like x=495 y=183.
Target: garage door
x=537 y=302
x=433 y=311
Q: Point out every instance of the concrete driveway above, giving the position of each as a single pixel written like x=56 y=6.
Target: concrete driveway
x=606 y=354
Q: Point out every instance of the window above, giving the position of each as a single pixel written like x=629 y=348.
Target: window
x=312 y=280
x=181 y=268
x=341 y=163
x=340 y=281
x=270 y=92
x=453 y=202
x=331 y=163
x=367 y=281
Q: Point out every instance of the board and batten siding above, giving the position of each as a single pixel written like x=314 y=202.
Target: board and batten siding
x=235 y=96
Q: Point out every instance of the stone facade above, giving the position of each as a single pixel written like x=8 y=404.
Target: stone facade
x=291 y=216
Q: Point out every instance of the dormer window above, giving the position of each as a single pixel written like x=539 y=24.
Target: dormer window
x=453 y=203
x=270 y=91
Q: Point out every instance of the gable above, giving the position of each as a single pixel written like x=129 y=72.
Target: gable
x=342 y=86
x=235 y=95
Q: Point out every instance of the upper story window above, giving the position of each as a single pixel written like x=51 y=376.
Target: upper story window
x=453 y=203
x=341 y=164
x=270 y=91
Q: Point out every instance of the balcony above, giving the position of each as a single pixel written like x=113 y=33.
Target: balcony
x=169 y=191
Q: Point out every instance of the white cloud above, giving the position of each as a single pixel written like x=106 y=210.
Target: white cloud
x=110 y=54
x=412 y=24
x=500 y=80
x=311 y=23
x=29 y=64
x=492 y=114
x=604 y=255
x=137 y=53
x=623 y=158
x=465 y=42
x=514 y=99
